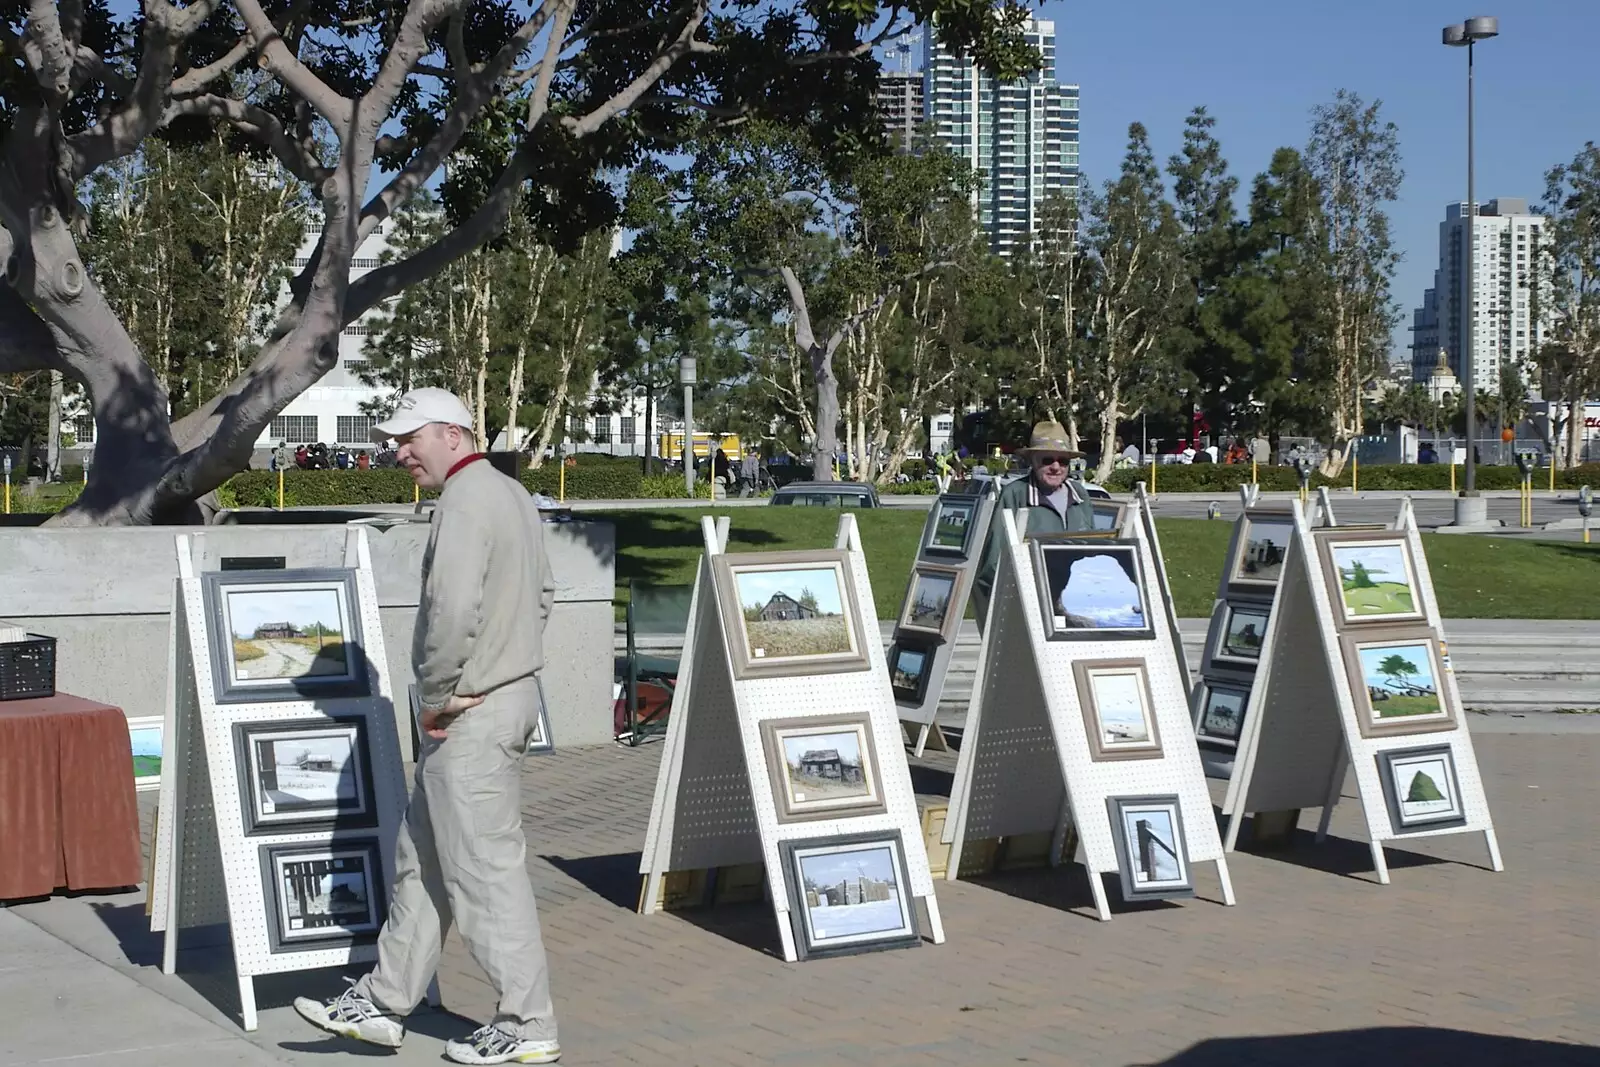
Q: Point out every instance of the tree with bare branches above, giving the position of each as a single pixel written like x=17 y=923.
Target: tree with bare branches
x=364 y=103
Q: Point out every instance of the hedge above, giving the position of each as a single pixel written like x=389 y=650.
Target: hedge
x=1226 y=478
x=599 y=481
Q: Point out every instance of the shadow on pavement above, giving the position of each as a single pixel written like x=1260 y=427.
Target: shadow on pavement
x=1066 y=888
x=1335 y=855
x=1411 y=1046
x=615 y=877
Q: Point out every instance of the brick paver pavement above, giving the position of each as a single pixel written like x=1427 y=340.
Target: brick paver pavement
x=1500 y=968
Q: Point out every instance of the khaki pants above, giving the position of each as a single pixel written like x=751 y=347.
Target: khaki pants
x=461 y=856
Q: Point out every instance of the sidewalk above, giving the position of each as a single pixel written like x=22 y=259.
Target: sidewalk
x=1317 y=966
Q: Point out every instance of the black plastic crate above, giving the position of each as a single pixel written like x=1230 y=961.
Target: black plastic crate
x=28 y=668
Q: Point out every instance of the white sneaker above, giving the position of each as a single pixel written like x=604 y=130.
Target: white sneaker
x=490 y=1044
x=352 y=1015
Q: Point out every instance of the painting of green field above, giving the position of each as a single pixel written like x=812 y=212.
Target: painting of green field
x=794 y=611
x=1376 y=580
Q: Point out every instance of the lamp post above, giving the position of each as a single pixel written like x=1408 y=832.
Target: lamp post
x=1470 y=508
x=686 y=378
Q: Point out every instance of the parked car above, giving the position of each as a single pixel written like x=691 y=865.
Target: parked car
x=827 y=495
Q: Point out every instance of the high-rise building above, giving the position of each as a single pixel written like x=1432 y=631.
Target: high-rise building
x=1021 y=136
x=1507 y=238
x=900 y=102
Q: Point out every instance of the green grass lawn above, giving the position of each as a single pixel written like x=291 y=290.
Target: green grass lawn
x=1474 y=577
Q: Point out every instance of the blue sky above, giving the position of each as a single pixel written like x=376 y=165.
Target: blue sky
x=1259 y=67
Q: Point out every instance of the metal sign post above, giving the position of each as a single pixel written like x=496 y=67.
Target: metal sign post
x=8 y=485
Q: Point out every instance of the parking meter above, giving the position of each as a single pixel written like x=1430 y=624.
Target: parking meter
x=1524 y=466
x=8 y=466
x=1585 y=501
x=1302 y=467
x=1213 y=510
x=1078 y=466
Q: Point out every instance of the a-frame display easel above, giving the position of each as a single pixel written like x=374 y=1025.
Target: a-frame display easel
x=1026 y=765
x=919 y=710
x=209 y=870
x=715 y=805
x=1302 y=733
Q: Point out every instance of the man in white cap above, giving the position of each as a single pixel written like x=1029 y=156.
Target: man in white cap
x=461 y=854
x=1051 y=501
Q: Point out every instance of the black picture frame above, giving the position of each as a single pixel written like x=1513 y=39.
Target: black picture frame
x=1406 y=814
x=231 y=685
x=956 y=503
x=887 y=851
x=287 y=892
x=262 y=815
x=1239 y=689
x=1165 y=837
x=917 y=693
x=1048 y=554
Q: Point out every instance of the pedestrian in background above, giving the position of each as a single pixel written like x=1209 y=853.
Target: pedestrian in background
x=461 y=855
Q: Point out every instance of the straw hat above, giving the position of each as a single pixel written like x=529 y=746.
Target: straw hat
x=1048 y=437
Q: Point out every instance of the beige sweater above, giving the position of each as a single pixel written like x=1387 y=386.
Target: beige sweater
x=486 y=588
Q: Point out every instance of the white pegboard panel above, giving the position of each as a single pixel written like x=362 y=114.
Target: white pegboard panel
x=220 y=830
x=1364 y=750
x=1292 y=744
x=1052 y=704
x=714 y=804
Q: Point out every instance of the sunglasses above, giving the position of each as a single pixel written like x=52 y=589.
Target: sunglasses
x=1052 y=461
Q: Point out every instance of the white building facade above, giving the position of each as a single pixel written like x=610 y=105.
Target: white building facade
x=331 y=410
x=1021 y=136
x=1506 y=238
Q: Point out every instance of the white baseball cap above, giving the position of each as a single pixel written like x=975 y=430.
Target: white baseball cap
x=418 y=408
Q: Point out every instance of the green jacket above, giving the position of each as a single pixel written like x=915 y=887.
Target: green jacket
x=1041 y=518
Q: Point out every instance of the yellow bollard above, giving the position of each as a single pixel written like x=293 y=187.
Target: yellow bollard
x=1452 y=477
x=8 y=494
x=416 y=493
x=1253 y=480
x=1552 y=475
x=1355 y=469
x=280 y=488
x=561 y=481
x=1152 y=477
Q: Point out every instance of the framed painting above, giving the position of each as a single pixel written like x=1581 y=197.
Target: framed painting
x=949 y=529
x=823 y=766
x=1109 y=515
x=1396 y=678
x=1152 y=856
x=1239 y=639
x=1259 y=551
x=1421 y=788
x=1119 y=714
x=321 y=895
x=1371 y=577
x=910 y=667
x=284 y=635
x=1222 y=707
x=1091 y=588
x=146 y=736
x=850 y=893
x=931 y=599
x=299 y=775
x=790 y=614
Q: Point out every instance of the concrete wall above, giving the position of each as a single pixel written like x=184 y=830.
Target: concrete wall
x=106 y=596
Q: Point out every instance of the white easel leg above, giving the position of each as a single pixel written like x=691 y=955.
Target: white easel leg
x=1494 y=849
x=1098 y=888
x=1379 y=864
x=1231 y=837
x=1227 y=883
x=922 y=739
x=247 y=1002
x=935 y=927
x=786 y=936
x=1322 y=824
x=652 y=891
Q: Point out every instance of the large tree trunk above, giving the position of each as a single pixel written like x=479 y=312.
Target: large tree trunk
x=1110 y=415
x=52 y=462
x=1575 y=430
x=826 y=446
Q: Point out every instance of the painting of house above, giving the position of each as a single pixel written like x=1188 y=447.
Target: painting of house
x=785 y=608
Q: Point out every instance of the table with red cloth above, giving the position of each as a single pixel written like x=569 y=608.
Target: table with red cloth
x=69 y=815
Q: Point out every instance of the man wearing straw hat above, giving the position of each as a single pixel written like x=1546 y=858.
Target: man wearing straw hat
x=1050 y=501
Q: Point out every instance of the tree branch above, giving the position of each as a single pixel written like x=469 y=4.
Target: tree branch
x=539 y=102
x=47 y=51
x=198 y=78
x=287 y=68
x=256 y=122
x=26 y=343
x=680 y=46
x=803 y=335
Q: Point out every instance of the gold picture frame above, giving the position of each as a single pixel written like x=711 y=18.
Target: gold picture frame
x=1119 y=710
x=1401 y=670
x=931 y=599
x=1359 y=600
x=778 y=626
x=823 y=767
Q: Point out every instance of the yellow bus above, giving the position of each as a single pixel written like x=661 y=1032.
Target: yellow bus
x=671 y=446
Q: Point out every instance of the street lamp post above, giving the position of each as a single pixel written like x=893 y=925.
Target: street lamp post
x=686 y=378
x=1470 y=508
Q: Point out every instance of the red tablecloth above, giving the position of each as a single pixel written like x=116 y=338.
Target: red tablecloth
x=69 y=817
